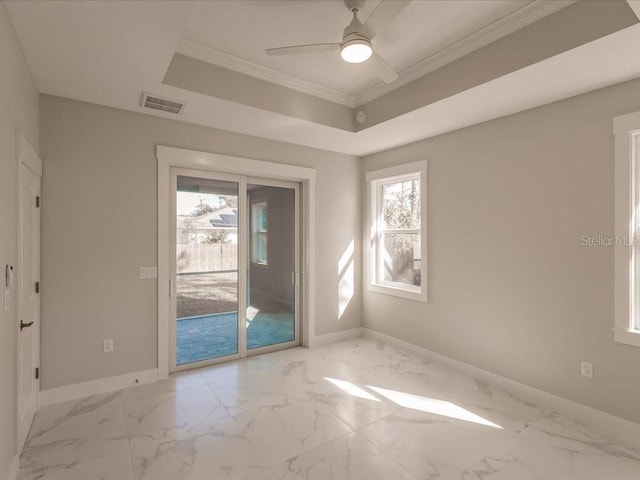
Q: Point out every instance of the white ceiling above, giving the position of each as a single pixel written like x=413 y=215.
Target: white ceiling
x=109 y=52
x=244 y=29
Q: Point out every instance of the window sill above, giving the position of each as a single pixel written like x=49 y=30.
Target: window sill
x=628 y=337
x=260 y=265
x=398 y=292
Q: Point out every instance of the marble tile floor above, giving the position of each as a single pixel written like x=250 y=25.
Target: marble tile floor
x=355 y=410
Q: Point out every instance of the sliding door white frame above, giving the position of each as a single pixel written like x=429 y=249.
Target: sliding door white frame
x=295 y=186
x=169 y=157
x=239 y=180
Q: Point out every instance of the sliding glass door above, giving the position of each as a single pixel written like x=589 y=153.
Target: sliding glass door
x=206 y=269
x=271 y=296
x=234 y=276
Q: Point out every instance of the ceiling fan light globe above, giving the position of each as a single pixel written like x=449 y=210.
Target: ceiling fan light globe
x=356 y=51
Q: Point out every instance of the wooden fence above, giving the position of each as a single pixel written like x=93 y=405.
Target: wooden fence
x=207 y=257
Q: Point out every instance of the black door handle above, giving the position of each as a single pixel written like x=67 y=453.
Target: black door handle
x=25 y=325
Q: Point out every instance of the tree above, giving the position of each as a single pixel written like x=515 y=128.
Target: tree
x=218 y=236
x=230 y=201
x=187 y=230
x=202 y=209
x=402 y=211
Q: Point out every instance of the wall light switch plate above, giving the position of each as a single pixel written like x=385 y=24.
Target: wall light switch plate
x=587 y=369
x=148 y=272
x=107 y=345
x=7 y=300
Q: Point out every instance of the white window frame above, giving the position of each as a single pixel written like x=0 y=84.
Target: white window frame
x=626 y=129
x=375 y=179
x=256 y=232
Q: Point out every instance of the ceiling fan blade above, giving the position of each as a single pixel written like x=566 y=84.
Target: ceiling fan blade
x=382 y=17
x=382 y=69
x=296 y=49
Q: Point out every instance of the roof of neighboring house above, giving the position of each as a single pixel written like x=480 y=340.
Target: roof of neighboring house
x=223 y=218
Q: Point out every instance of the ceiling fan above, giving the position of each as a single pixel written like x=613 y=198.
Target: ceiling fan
x=356 y=46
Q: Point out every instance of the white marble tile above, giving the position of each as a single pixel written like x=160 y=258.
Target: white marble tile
x=215 y=451
x=292 y=415
x=479 y=393
x=256 y=389
x=356 y=412
x=239 y=368
x=496 y=425
x=264 y=475
x=426 y=445
x=71 y=433
x=362 y=353
x=500 y=466
x=170 y=417
x=164 y=387
x=99 y=416
x=350 y=457
x=287 y=429
x=560 y=449
x=112 y=467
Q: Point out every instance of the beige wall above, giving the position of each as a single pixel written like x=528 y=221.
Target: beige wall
x=208 y=79
x=511 y=289
x=18 y=111
x=99 y=226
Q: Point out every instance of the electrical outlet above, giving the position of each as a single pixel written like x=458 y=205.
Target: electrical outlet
x=107 y=345
x=587 y=369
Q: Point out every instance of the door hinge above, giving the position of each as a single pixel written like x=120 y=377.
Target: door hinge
x=37 y=287
x=37 y=373
x=38 y=201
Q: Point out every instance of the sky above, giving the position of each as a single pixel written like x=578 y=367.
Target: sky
x=188 y=201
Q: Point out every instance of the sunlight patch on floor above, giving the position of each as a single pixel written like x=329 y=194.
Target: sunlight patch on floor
x=351 y=389
x=432 y=405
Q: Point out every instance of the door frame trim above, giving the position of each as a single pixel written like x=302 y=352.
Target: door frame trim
x=169 y=157
x=27 y=156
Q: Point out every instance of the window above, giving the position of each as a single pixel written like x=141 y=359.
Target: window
x=627 y=229
x=259 y=233
x=397 y=226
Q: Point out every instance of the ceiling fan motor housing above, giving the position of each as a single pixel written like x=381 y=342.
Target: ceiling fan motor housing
x=355 y=37
x=354 y=27
x=357 y=4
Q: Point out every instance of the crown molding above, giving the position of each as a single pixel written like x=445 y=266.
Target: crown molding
x=506 y=25
x=201 y=52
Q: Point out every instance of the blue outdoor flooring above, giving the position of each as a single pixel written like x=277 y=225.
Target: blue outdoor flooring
x=211 y=336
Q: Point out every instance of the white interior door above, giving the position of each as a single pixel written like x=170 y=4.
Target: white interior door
x=28 y=330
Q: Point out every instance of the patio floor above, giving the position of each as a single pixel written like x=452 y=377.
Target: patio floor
x=211 y=336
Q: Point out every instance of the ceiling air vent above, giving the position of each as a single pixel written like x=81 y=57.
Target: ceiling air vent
x=153 y=101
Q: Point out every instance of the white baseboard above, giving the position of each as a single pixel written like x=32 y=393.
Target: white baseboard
x=334 y=337
x=14 y=468
x=610 y=425
x=96 y=387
